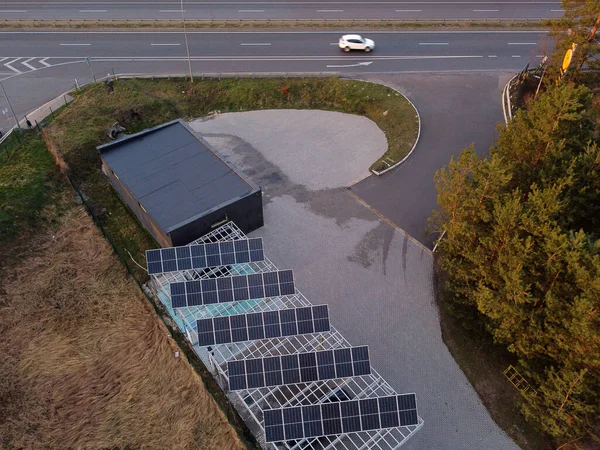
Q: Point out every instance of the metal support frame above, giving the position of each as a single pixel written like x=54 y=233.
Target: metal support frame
x=251 y=403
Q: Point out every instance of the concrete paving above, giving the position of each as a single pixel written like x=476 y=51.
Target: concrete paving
x=317 y=149
x=377 y=281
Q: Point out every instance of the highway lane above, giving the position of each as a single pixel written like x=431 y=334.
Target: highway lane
x=272 y=10
x=260 y=51
x=36 y=66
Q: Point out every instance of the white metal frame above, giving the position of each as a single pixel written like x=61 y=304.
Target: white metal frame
x=250 y=403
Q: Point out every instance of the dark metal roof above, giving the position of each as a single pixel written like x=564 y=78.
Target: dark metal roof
x=174 y=173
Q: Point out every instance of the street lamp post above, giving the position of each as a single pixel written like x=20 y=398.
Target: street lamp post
x=187 y=48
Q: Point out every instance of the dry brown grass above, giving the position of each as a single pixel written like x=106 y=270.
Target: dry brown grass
x=85 y=361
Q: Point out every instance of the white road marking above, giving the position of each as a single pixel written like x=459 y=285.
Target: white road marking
x=256 y=43
x=29 y=65
x=486 y=10
x=8 y=64
x=408 y=10
x=170 y=10
x=433 y=43
x=3 y=59
x=366 y=63
x=492 y=56
x=286 y=32
x=74 y=44
x=165 y=44
x=333 y=43
x=251 y=10
x=43 y=61
x=14 y=11
x=516 y=56
x=522 y=43
x=330 y=10
x=92 y=10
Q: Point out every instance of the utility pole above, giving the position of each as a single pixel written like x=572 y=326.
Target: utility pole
x=187 y=48
x=11 y=108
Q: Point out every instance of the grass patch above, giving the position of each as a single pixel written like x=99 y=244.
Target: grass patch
x=29 y=182
x=85 y=362
x=141 y=103
x=342 y=25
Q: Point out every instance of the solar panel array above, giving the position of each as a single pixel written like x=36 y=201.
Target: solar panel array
x=201 y=256
x=290 y=423
x=232 y=289
x=298 y=368
x=351 y=416
x=262 y=325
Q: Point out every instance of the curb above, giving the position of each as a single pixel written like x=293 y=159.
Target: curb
x=381 y=172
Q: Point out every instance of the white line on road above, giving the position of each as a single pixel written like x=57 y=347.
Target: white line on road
x=557 y=10
x=3 y=59
x=170 y=10
x=165 y=44
x=74 y=44
x=8 y=64
x=251 y=10
x=14 y=11
x=408 y=10
x=330 y=10
x=516 y=56
x=492 y=56
x=433 y=43
x=92 y=10
x=29 y=65
x=486 y=10
x=522 y=43
x=256 y=43
x=43 y=61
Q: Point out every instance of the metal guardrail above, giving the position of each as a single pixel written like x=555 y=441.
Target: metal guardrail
x=6 y=135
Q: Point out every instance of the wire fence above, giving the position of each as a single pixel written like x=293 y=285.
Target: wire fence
x=209 y=382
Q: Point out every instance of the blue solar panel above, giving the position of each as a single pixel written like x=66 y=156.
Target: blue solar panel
x=247 y=327
x=201 y=256
x=225 y=290
x=346 y=416
x=303 y=367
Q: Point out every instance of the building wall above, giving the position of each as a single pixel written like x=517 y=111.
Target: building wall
x=246 y=212
x=162 y=238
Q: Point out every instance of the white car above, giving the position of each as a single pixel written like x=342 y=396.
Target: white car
x=356 y=42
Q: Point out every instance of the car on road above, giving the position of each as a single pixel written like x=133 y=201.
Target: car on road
x=356 y=42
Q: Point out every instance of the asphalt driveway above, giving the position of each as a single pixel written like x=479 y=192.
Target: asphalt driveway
x=456 y=110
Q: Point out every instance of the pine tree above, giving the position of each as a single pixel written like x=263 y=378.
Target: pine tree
x=521 y=250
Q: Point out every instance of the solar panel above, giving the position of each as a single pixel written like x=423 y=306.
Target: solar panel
x=261 y=325
x=232 y=289
x=302 y=368
x=201 y=256
x=350 y=416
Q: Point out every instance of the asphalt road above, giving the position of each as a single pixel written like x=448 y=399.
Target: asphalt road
x=455 y=110
x=249 y=9
x=276 y=51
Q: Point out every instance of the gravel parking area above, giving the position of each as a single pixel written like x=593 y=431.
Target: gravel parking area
x=377 y=281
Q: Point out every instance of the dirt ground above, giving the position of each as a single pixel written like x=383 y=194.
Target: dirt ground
x=86 y=363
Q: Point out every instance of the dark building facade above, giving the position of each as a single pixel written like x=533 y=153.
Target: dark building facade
x=178 y=186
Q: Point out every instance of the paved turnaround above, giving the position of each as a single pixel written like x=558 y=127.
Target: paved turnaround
x=274 y=9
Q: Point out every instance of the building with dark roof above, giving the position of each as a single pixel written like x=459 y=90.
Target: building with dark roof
x=178 y=186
